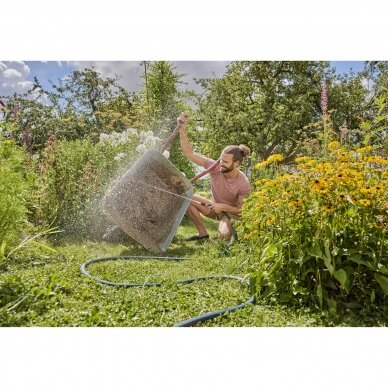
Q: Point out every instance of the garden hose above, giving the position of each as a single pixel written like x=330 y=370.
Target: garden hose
x=188 y=322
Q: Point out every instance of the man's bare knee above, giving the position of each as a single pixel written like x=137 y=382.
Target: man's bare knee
x=225 y=235
x=224 y=229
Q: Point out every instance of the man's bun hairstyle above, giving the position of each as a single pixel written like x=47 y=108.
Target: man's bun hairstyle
x=238 y=152
x=245 y=150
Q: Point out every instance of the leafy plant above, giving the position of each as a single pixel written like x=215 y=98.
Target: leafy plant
x=14 y=191
x=318 y=235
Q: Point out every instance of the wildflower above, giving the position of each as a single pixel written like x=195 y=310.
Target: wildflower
x=334 y=145
x=364 y=202
x=120 y=156
x=365 y=191
x=103 y=137
x=329 y=209
x=275 y=158
x=365 y=149
x=302 y=159
x=377 y=160
x=141 y=148
x=324 y=99
x=261 y=165
x=131 y=132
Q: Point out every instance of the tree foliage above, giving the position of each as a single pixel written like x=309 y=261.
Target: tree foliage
x=270 y=106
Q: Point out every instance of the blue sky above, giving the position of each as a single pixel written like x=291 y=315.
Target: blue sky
x=18 y=76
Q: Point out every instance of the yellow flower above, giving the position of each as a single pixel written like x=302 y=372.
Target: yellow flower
x=328 y=209
x=302 y=159
x=261 y=165
x=275 y=158
x=334 y=145
x=365 y=149
x=377 y=160
x=364 y=202
x=365 y=191
x=325 y=167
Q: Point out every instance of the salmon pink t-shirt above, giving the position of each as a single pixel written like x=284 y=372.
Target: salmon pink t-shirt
x=229 y=192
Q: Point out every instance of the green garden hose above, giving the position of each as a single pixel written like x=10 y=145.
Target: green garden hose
x=188 y=322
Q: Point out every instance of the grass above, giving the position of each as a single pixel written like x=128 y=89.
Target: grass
x=48 y=290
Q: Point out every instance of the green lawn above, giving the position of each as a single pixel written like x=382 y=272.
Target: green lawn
x=49 y=290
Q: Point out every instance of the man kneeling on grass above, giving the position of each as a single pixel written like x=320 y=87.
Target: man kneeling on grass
x=229 y=187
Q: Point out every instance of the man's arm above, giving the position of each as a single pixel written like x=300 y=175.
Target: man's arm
x=235 y=210
x=221 y=207
x=186 y=146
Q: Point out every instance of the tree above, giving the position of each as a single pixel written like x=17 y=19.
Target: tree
x=159 y=104
x=87 y=104
x=265 y=105
x=274 y=107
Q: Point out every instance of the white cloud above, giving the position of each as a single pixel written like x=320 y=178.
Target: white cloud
x=25 y=84
x=130 y=72
x=12 y=73
x=14 y=77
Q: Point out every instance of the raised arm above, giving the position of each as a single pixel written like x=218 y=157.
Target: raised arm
x=185 y=143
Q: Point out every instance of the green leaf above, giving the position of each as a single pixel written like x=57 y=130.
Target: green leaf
x=327 y=249
x=255 y=282
x=2 y=249
x=319 y=294
x=315 y=251
x=44 y=246
x=382 y=269
x=328 y=264
x=350 y=251
x=332 y=304
x=356 y=258
x=383 y=281
x=341 y=276
x=372 y=296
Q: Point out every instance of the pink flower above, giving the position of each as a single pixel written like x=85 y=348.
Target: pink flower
x=324 y=99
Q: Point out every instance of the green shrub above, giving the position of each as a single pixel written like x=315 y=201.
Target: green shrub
x=14 y=192
x=73 y=177
x=318 y=236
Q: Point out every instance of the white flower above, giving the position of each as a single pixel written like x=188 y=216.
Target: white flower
x=131 y=132
x=150 y=142
x=120 y=156
x=166 y=154
x=147 y=135
x=141 y=148
x=104 y=137
x=117 y=138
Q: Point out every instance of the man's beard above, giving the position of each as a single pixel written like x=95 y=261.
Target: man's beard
x=224 y=170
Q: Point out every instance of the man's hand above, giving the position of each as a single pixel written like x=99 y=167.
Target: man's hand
x=217 y=207
x=182 y=120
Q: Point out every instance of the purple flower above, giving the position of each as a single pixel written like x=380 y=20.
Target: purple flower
x=324 y=99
